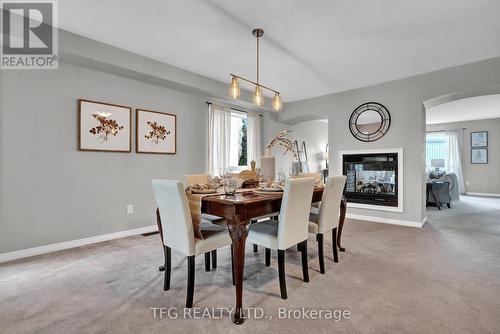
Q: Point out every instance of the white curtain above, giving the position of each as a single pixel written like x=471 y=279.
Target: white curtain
x=453 y=163
x=219 y=134
x=254 y=140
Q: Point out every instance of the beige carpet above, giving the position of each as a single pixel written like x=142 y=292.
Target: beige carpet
x=443 y=278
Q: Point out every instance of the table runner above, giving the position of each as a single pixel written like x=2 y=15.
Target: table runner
x=195 y=200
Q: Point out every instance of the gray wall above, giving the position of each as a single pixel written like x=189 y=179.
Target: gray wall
x=50 y=192
x=314 y=133
x=404 y=98
x=481 y=178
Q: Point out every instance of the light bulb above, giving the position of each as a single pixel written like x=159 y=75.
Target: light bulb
x=277 y=105
x=258 y=98
x=234 y=88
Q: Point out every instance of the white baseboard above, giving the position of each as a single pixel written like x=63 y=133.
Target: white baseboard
x=482 y=194
x=387 y=220
x=375 y=207
x=74 y=243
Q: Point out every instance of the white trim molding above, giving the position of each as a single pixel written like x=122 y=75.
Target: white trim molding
x=482 y=194
x=387 y=220
x=399 y=151
x=74 y=243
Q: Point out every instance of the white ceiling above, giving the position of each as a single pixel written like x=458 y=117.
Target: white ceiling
x=472 y=108
x=310 y=48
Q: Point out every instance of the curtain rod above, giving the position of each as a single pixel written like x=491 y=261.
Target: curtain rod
x=246 y=112
x=444 y=130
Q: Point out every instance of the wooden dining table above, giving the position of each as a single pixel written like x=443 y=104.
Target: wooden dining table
x=238 y=210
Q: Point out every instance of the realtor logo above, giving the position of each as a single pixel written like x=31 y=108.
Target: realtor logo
x=29 y=35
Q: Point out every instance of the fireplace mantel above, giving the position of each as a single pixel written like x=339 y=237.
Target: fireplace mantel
x=399 y=152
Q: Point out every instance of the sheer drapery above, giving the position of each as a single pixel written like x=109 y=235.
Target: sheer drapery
x=453 y=161
x=219 y=135
x=254 y=142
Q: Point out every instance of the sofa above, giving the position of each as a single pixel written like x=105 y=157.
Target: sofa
x=442 y=188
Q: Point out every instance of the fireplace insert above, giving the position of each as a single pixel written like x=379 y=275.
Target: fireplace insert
x=371 y=178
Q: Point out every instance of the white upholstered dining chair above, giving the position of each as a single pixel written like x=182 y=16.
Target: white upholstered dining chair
x=328 y=216
x=196 y=179
x=316 y=176
x=190 y=180
x=178 y=233
x=291 y=229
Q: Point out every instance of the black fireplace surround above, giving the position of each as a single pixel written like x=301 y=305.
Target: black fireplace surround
x=371 y=178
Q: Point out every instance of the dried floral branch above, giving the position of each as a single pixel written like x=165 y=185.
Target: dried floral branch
x=107 y=127
x=158 y=132
x=282 y=139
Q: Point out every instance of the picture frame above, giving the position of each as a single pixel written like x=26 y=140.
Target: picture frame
x=104 y=127
x=479 y=139
x=156 y=132
x=479 y=155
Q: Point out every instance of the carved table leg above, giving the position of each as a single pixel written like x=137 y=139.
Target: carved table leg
x=343 y=209
x=238 y=233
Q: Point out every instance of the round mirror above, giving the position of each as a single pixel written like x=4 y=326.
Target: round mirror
x=370 y=121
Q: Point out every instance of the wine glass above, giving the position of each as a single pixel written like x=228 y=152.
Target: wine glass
x=229 y=185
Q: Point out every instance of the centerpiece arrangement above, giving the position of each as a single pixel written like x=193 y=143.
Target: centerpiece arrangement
x=281 y=139
x=268 y=161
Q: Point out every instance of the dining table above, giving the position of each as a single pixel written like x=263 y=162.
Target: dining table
x=239 y=210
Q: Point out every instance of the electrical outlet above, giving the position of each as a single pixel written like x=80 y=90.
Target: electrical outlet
x=467 y=183
x=130 y=209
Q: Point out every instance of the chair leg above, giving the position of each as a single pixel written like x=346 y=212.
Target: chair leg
x=281 y=273
x=232 y=263
x=190 y=282
x=207 y=261
x=319 y=238
x=305 y=264
x=255 y=248
x=168 y=268
x=214 y=259
x=334 y=242
x=268 y=257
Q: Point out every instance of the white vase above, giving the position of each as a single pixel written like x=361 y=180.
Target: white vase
x=268 y=165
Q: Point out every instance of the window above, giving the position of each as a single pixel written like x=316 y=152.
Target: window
x=238 y=141
x=234 y=139
x=436 y=150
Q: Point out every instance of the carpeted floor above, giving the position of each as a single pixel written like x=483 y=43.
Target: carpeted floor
x=444 y=278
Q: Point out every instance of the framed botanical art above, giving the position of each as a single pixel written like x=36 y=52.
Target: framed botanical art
x=479 y=155
x=479 y=139
x=156 y=132
x=104 y=127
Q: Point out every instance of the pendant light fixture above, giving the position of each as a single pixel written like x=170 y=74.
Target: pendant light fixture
x=258 y=96
x=234 y=88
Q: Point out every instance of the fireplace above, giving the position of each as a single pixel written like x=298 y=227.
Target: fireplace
x=372 y=178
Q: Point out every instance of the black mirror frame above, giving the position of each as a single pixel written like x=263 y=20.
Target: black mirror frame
x=384 y=125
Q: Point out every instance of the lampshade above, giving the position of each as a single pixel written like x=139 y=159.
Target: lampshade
x=438 y=163
x=325 y=156
x=258 y=98
x=277 y=105
x=234 y=88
